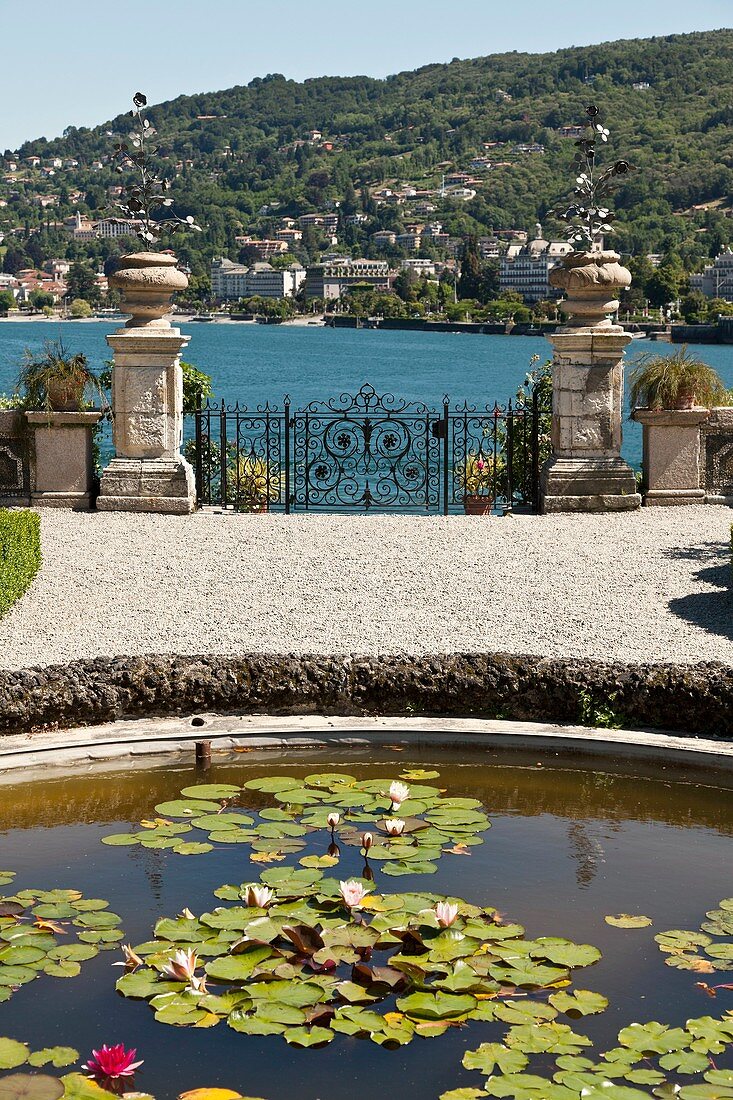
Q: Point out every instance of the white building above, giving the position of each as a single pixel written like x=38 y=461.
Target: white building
x=228 y=280
x=331 y=280
x=716 y=280
x=266 y=281
x=231 y=281
x=117 y=227
x=420 y=267
x=526 y=267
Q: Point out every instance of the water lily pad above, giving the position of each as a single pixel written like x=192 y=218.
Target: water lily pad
x=627 y=920
x=55 y=1056
x=492 y=1056
x=30 y=1086
x=308 y=1037
x=211 y=792
x=581 y=1002
x=119 y=840
x=192 y=848
x=436 y=1006
x=187 y=807
x=12 y=1053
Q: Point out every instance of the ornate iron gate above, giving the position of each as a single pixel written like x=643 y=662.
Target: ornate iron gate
x=370 y=451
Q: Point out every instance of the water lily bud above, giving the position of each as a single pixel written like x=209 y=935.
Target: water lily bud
x=367 y=840
x=333 y=820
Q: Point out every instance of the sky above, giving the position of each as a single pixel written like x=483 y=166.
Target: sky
x=79 y=62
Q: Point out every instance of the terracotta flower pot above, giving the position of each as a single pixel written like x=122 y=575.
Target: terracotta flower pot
x=474 y=505
x=65 y=394
x=685 y=400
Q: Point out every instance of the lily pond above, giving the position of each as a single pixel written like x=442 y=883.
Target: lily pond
x=401 y=921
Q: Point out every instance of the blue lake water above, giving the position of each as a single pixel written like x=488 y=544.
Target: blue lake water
x=256 y=363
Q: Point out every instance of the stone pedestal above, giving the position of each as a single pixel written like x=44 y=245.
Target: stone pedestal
x=672 y=456
x=149 y=473
x=63 y=470
x=586 y=472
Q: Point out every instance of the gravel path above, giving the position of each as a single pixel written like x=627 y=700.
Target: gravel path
x=646 y=586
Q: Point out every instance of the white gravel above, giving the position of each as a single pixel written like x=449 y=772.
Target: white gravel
x=651 y=585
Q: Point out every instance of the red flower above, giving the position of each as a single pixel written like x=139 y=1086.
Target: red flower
x=112 y=1063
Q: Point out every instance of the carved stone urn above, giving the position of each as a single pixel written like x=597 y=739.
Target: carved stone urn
x=148 y=473
x=147 y=281
x=591 y=281
x=586 y=472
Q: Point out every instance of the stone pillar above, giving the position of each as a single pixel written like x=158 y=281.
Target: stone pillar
x=671 y=463
x=148 y=473
x=586 y=472
x=63 y=470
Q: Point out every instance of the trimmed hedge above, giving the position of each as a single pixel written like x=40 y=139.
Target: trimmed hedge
x=20 y=554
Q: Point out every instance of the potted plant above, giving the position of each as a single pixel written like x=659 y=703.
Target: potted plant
x=55 y=381
x=254 y=483
x=477 y=479
x=678 y=381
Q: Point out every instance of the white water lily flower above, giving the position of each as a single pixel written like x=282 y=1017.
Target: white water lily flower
x=446 y=913
x=258 y=897
x=394 y=826
x=333 y=820
x=353 y=893
x=399 y=793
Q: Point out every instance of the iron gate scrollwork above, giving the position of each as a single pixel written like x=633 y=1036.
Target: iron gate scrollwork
x=365 y=451
x=370 y=451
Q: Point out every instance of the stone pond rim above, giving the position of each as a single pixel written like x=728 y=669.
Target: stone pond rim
x=692 y=699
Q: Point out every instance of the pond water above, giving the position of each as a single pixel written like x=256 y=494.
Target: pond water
x=571 y=841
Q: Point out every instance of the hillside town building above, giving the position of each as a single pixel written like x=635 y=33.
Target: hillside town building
x=525 y=268
x=331 y=280
x=716 y=280
x=231 y=281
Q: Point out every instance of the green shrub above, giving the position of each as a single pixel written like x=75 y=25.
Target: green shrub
x=20 y=554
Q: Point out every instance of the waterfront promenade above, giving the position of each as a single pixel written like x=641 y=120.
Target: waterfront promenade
x=649 y=586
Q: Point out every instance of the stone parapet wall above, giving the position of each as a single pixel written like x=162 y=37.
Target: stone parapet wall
x=697 y=699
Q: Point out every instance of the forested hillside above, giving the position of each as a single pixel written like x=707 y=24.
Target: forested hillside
x=242 y=159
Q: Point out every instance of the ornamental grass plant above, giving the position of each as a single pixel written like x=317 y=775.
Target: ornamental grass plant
x=678 y=381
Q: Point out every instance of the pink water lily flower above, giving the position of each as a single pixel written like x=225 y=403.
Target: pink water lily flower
x=446 y=913
x=258 y=897
x=182 y=967
x=132 y=959
x=353 y=893
x=399 y=793
x=111 y=1063
x=394 y=826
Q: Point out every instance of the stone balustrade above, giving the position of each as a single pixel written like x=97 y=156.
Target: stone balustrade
x=687 y=456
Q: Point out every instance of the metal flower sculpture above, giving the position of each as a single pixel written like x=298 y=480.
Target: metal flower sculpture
x=589 y=217
x=142 y=199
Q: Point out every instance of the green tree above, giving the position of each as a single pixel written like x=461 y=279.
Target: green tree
x=80 y=308
x=81 y=284
x=469 y=283
x=7 y=300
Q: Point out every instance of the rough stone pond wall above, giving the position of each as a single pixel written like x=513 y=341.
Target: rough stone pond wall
x=690 y=698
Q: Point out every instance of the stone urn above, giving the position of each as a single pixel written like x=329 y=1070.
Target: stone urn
x=592 y=282
x=147 y=281
x=586 y=472
x=148 y=472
